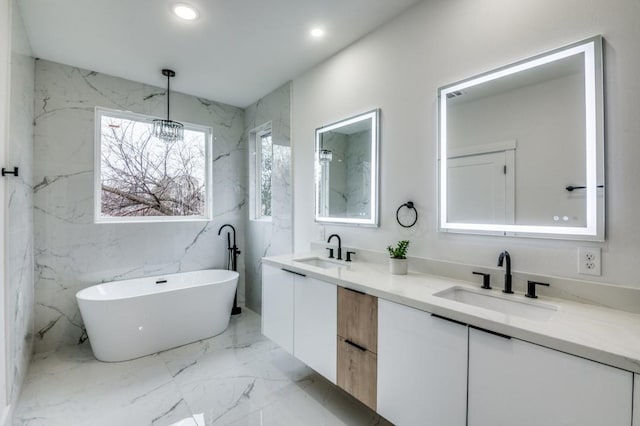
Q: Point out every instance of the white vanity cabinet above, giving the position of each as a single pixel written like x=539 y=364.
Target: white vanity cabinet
x=314 y=335
x=512 y=382
x=422 y=367
x=299 y=313
x=277 y=306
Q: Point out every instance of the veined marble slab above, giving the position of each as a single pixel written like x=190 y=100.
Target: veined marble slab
x=238 y=377
x=19 y=272
x=269 y=237
x=71 y=251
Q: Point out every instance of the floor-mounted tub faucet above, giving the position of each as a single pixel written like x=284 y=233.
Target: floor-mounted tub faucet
x=507 y=271
x=233 y=250
x=339 y=245
x=232 y=262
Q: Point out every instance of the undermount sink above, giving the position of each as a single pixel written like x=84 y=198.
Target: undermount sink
x=507 y=304
x=320 y=263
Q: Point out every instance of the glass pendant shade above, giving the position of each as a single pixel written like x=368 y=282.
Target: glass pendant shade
x=168 y=130
x=326 y=156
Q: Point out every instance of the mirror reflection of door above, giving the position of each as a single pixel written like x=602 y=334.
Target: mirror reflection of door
x=481 y=189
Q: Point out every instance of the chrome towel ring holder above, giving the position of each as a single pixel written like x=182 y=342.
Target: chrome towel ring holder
x=409 y=205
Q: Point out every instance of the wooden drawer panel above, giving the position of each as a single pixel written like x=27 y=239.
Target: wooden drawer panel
x=358 y=318
x=357 y=372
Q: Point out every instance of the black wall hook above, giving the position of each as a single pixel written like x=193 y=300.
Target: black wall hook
x=409 y=205
x=7 y=172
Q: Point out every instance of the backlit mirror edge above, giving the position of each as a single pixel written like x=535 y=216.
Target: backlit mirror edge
x=375 y=168
x=595 y=229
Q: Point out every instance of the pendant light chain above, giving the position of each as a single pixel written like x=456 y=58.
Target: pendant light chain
x=168 y=95
x=168 y=130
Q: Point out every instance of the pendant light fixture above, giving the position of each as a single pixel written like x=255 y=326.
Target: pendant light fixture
x=168 y=130
x=326 y=156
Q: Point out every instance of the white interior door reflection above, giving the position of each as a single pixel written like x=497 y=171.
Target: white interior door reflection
x=481 y=188
x=552 y=105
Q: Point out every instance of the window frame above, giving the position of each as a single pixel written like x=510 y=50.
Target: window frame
x=100 y=112
x=256 y=210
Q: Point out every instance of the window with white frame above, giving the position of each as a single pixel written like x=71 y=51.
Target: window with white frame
x=140 y=178
x=262 y=169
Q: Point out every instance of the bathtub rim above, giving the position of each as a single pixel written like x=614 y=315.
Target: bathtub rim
x=89 y=294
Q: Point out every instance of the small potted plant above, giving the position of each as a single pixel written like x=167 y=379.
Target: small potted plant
x=398 y=261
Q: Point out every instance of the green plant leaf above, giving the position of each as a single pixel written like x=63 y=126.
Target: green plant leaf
x=400 y=251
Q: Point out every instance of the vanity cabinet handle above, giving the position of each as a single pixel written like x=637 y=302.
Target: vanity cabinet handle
x=293 y=272
x=448 y=319
x=355 y=345
x=495 y=333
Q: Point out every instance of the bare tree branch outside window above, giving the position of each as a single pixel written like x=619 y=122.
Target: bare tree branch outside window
x=265 y=176
x=144 y=176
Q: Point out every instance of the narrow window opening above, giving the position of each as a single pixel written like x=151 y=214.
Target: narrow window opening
x=262 y=172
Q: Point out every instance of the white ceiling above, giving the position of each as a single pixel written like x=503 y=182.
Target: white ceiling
x=235 y=52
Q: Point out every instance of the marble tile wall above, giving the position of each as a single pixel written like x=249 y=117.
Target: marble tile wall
x=359 y=174
x=268 y=238
x=19 y=226
x=71 y=252
x=337 y=143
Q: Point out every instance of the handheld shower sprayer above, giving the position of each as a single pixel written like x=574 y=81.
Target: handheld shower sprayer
x=232 y=261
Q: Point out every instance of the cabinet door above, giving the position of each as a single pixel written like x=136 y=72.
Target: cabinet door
x=358 y=318
x=512 y=382
x=316 y=325
x=277 y=306
x=422 y=367
x=357 y=371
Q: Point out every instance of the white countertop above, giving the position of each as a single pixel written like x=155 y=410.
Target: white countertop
x=601 y=334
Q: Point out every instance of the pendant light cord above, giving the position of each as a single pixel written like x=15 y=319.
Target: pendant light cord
x=168 y=94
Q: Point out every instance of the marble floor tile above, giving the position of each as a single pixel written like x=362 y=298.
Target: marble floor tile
x=238 y=377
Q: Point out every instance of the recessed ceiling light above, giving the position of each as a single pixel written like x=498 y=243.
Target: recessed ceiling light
x=317 y=33
x=185 y=11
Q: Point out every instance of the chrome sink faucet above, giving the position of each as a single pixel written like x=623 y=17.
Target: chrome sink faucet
x=339 y=245
x=507 y=271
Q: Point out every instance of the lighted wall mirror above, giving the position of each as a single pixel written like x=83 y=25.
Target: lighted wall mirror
x=521 y=150
x=346 y=171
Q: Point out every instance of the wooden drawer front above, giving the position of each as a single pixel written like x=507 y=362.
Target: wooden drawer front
x=357 y=372
x=358 y=318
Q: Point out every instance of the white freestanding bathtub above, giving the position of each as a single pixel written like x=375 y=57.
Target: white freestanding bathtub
x=132 y=318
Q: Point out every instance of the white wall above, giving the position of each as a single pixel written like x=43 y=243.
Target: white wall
x=399 y=68
x=5 y=52
x=19 y=247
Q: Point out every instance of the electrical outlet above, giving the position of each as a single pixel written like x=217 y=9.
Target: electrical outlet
x=589 y=261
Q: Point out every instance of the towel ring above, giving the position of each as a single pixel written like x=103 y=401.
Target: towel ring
x=409 y=205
